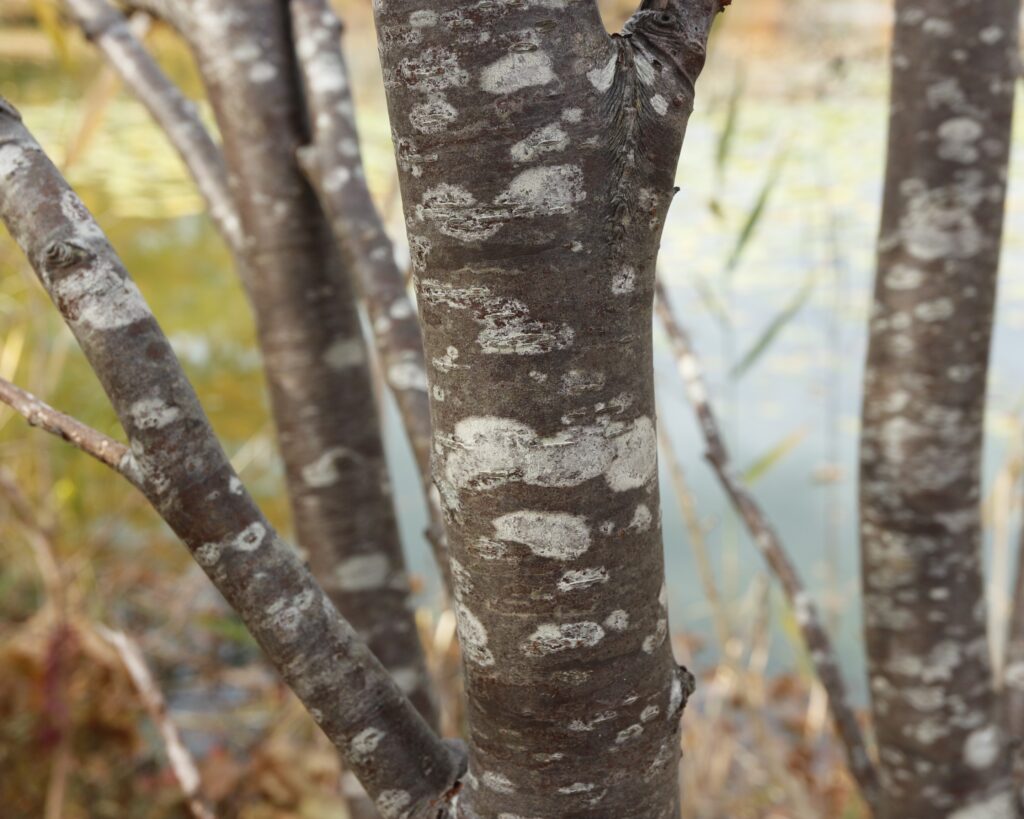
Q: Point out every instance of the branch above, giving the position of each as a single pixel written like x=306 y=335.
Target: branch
x=173 y=112
x=186 y=476
x=816 y=639
x=173 y=12
x=181 y=761
x=333 y=165
x=90 y=441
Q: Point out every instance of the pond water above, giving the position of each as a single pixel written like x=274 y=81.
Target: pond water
x=817 y=120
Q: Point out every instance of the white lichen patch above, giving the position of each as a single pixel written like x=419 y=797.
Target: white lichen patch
x=803 y=608
x=903 y=277
x=578 y=787
x=472 y=636
x=642 y=518
x=13 y=158
x=626 y=734
x=362 y=573
x=250 y=538
x=624 y=281
x=344 y=353
x=491 y=451
x=958 y=138
x=497 y=782
x=446 y=363
x=602 y=78
x=576 y=382
x=578 y=579
x=659 y=104
x=424 y=18
x=515 y=71
x=556 y=535
x=675 y=696
x=407 y=374
x=262 y=72
x=997 y=806
x=935 y=310
x=323 y=472
x=365 y=743
x=618 y=620
x=546 y=190
x=652 y=641
x=585 y=726
x=551 y=638
x=433 y=116
x=939 y=222
x=433 y=70
x=208 y=554
x=549 y=139
x=97 y=297
x=649 y=713
x=982 y=747
x=153 y=413
x=392 y=803
x=508 y=327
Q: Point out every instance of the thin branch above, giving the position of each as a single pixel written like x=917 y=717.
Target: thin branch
x=186 y=476
x=173 y=12
x=334 y=167
x=816 y=640
x=181 y=761
x=92 y=442
x=173 y=111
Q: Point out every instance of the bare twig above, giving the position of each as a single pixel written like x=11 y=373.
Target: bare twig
x=174 y=113
x=92 y=442
x=186 y=476
x=816 y=639
x=181 y=761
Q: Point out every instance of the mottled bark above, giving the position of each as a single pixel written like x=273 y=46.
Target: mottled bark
x=954 y=70
x=188 y=479
x=537 y=159
x=334 y=166
x=816 y=640
x=309 y=334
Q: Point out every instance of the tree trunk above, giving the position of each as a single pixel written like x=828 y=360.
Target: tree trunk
x=309 y=333
x=537 y=159
x=954 y=71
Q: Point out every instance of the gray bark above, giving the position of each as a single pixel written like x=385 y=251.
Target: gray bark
x=954 y=70
x=309 y=333
x=537 y=158
x=180 y=466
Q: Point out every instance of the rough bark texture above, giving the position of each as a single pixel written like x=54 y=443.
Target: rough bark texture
x=309 y=333
x=537 y=158
x=954 y=69
x=333 y=164
x=188 y=479
x=816 y=639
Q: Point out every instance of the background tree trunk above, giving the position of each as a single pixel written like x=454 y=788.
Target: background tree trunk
x=309 y=332
x=954 y=71
x=537 y=160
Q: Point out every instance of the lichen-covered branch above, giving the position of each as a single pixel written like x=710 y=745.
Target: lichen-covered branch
x=941 y=747
x=90 y=441
x=105 y=26
x=333 y=164
x=188 y=479
x=536 y=159
x=815 y=638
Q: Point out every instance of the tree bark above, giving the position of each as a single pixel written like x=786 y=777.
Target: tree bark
x=309 y=332
x=537 y=158
x=953 y=77
x=334 y=166
x=179 y=464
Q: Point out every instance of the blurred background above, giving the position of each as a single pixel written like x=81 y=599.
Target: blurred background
x=768 y=255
